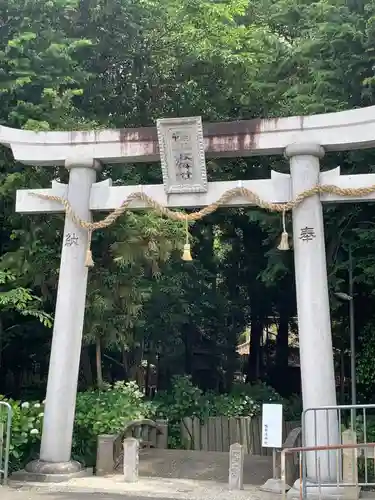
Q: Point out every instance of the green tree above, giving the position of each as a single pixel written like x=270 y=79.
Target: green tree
x=79 y=65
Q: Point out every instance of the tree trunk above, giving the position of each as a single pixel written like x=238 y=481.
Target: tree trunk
x=1 y=342
x=134 y=359
x=254 y=361
x=342 y=377
x=2 y=368
x=282 y=341
x=147 y=378
x=280 y=375
x=86 y=366
x=187 y=339
x=163 y=374
x=125 y=364
x=99 y=372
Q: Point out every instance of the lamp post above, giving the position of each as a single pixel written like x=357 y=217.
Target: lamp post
x=348 y=297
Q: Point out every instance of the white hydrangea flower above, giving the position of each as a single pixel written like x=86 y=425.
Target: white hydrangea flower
x=34 y=431
x=25 y=405
x=37 y=405
x=41 y=414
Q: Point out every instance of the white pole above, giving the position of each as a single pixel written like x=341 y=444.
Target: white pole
x=314 y=324
x=55 y=453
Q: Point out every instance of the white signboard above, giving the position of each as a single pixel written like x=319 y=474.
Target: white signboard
x=272 y=426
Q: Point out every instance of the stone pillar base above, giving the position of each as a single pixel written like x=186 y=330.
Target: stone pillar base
x=333 y=492
x=274 y=486
x=39 y=471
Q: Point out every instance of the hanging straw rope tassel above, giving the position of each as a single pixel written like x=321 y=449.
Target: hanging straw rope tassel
x=224 y=199
x=89 y=262
x=284 y=241
x=187 y=253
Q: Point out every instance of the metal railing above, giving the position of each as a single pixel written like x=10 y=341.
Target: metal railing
x=5 y=430
x=355 y=418
x=305 y=449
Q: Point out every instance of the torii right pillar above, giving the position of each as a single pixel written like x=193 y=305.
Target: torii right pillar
x=314 y=324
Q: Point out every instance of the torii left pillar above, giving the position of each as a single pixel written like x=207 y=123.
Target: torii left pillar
x=55 y=462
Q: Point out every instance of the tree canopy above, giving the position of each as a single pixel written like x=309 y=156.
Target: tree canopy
x=70 y=64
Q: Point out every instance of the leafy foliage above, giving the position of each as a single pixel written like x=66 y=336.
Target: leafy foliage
x=79 y=65
x=20 y=299
x=186 y=400
x=109 y=410
x=105 y=412
x=27 y=421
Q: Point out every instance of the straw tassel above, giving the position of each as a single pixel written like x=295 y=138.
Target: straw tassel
x=284 y=241
x=186 y=255
x=89 y=262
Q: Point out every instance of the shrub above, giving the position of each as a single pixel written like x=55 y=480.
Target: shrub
x=97 y=412
x=183 y=400
x=234 y=405
x=293 y=408
x=259 y=392
x=108 y=411
x=186 y=400
x=105 y=412
x=27 y=421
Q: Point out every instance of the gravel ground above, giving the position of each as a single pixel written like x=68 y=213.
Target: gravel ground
x=110 y=488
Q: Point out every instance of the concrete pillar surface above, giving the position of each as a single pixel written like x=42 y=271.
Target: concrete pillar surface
x=314 y=324
x=56 y=445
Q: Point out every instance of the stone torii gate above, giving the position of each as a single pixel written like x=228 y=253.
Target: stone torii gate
x=303 y=140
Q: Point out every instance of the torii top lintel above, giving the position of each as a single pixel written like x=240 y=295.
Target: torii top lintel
x=344 y=130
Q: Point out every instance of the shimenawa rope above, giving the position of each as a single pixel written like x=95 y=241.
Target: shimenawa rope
x=209 y=209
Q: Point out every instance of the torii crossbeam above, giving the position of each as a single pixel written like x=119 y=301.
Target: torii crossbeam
x=342 y=131
x=278 y=189
x=183 y=145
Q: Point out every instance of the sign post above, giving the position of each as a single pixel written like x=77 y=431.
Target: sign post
x=272 y=426
x=272 y=437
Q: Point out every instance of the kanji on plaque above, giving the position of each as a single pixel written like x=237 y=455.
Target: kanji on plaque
x=71 y=239
x=184 y=164
x=307 y=234
x=181 y=137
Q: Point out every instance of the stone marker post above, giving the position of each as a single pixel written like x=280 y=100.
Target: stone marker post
x=162 y=437
x=236 y=462
x=131 y=459
x=104 y=454
x=350 y=458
